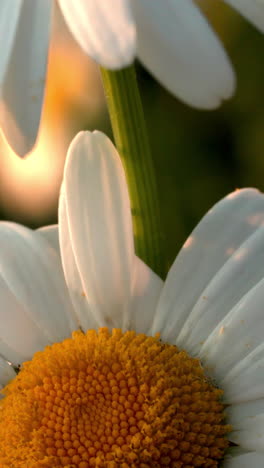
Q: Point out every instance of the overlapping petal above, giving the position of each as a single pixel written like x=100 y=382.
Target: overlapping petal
x=241 y=272
x=247 y=420
x=99 y=225
x=105 y=31
x=51 y=234
x=23 y=82
x=109 y=285
x=6 y=372
x=241 y=331
x=253 y=459
x=146 y=290
x=206 y=257
x=249 y=367
x=253 y=11
x=73 y=276
x=34 y=297
x=181 y=50
x=9 y=17
x=146 y=287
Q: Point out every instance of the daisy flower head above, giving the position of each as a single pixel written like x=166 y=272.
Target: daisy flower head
x=172 y=39
x=154 y=374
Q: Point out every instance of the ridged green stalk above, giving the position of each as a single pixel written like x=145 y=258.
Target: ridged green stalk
x=131 y=139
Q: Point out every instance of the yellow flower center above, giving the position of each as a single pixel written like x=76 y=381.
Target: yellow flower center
x=111 y=400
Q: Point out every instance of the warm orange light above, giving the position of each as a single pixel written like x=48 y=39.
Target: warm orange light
x=29 y=187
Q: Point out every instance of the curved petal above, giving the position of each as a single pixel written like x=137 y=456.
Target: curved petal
x=245 y=381
x=238 y=414
x=51 y=235
x=106 y=32
x=7 y=372
x=20 y=335
x=22 y=86
x=9 y=17
x=220 y=233
x=252 y=459
x=146 y=290
x=242 y=271
x=178 y=46
x=73 y=277
x=253 y=11
x=99 y=227
x=236 y=336
x=32 y=271
x=247 y=420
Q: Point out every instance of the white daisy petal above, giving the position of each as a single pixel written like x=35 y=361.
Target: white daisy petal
x=106 y=34
x=84 y=317
x=28 y=337
x=22 y=86
x=51 y=235
x=239 y=414
x=247 y=420
x=9 y=17
x=252 y=459
x=100 y=225
x=73 y=277
x=33 y=273
x=237 y=335
x=145 y=295
x=7 y=372
x=236 y=277
x=181 y=50
x=222 y=230
x=146 y=287
x=238 y=381
x=253 y=10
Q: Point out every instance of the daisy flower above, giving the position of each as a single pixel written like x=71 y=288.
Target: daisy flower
x=155 y=374
x=175 y=43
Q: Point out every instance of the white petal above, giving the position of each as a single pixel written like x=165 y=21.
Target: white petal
x=7 y=372
x=32 y=271
x=178 y=46
x=146 y=288
x=22 y=86
x=223 y=229
x=237 y=335
x=51 y=235
x=9 y=17
x=20 y=336
x=73 y=277
x=145 y=295
x=247 y=420
x=252 y=10
x=105 y=31
x=100 y=226
x=239 y=414
x=242 y=271
x=252 y=460
x=245 y=381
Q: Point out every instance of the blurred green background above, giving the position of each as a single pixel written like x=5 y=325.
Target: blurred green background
x=199 y=156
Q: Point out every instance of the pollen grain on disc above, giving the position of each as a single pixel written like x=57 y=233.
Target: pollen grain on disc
x=112 y=399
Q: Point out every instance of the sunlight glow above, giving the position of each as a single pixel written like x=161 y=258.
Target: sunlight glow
x=29 y=187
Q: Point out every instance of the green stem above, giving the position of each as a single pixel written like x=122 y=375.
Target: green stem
x=130 y=133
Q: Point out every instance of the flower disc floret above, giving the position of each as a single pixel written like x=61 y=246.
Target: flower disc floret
x=112 y=399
